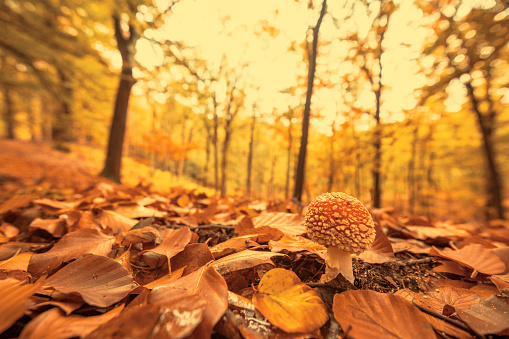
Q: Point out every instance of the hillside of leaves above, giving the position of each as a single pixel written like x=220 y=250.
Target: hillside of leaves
x=86 y=258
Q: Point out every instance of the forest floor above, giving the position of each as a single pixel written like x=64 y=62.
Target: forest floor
x=82 y=257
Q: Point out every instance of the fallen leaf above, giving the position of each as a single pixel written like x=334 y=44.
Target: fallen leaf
x=55 y=227
x=233 y=245
x=488 y=316
x=53 y=324
x=177 y=320
x=9 y=230
x=146 y=234
x=501 y=281
x=55 y=205
x=70 y=246
x=18 y=262
x=288 y=223
x=192 y=257
x=16 y=201
x=117 y=222
x=473 y=256
x=174 y=241
x=242 y=260
x=207 y=284
x=13 y=300
x=134 y=211
x=288 y=303
x=379 y=315
x=99 y=280
x=297 y=244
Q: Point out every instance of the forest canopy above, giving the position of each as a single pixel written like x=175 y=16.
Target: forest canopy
x=402 y=104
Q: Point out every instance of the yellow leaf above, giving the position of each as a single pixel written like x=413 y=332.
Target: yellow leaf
x=288 y=303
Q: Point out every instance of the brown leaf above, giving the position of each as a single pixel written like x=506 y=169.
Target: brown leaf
x=8 y=230
x=55 y=227
x=70 y=246
x=55 y=205
x=192 y=257
x=488 y=317
x=18 y=262
x=288 y=223
x=205 y=282
x=244 y=224
x=53 y=324
x=379 y=315
x=177 y=320
x=473 y=256
x=263 y=234
x=297 y=244
x=288 y=303
x=233 y=245
x=501 y=281
x=16 y=201
x=133 y=211
x=146 y=234
x=174 y=241
x=381 y=250
x=117 y=222
x=99 y=280
x=241 y=260
x=13 y=300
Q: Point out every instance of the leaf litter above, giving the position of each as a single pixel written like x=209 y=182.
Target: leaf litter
x=115 y=261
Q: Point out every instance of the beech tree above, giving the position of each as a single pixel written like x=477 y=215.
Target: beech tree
x=312 y=51
x=470 y=46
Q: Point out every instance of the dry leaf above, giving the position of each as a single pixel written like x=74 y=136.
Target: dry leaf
x=13 y=300
x=488 y=316
x=71 y=246
x=53 y=324
x=174 y=241
x=288 y=303
x=148 y=321
x=117 y=222
x=206 y=283
x=474 y=256
x=241 y=260
x=378 y=315
x=18 y=262
x=16 y=201
x=55 y=227
x=288 y=223
x=99 y=280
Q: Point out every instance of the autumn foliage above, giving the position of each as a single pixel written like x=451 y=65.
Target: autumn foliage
x=115 y=261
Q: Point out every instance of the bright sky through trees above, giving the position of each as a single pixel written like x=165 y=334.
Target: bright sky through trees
x=234 y=28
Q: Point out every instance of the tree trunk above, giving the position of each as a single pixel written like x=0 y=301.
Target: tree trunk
x=113 y=162
x=494 y=201
x=61 y=130
x=250 y=156
x=289 y=157
x=9 y=114
x=330 y=180
x=411 y=174
x=311 y=53
x=215 y=142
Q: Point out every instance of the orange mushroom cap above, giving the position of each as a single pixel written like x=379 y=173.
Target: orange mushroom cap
x=339 y=220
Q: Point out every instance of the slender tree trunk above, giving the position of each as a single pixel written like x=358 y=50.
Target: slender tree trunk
x=113 y=162
x=9 y=114
x=215 y=142
x=250 y=156
x=311 y=53
x=494 y=202
x=377 y=143
x=330 y=181
x=289 y=157
x=62 y=123
x=411 y=174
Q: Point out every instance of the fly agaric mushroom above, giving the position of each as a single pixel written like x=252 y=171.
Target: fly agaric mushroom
x=343 y=225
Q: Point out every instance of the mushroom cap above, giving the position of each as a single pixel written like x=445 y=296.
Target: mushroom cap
x=339 y=220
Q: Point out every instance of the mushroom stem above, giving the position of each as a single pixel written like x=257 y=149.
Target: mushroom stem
x=338 y=261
